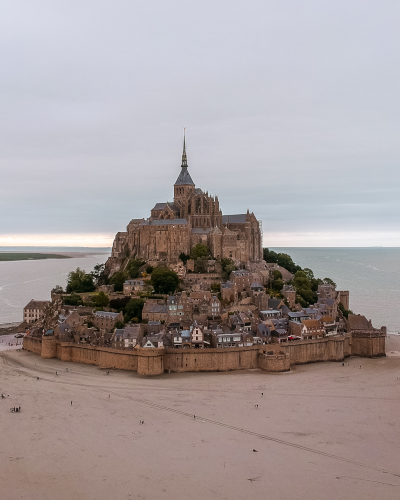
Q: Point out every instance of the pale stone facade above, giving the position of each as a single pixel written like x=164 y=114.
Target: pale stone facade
x=176 y=227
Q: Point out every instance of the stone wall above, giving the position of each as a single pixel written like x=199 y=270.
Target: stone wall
x=271 y=357
x=279 y=362
x=104 y=357
x=311 y=351
x=32 y=344
x=211 y=360
x=368 y=343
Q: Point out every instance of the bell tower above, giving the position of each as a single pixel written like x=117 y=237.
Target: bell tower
x=184 y=186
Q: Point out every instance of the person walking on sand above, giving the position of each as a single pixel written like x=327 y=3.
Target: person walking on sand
x=71 y=403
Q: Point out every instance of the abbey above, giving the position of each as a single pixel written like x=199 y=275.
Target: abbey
x=193 y=217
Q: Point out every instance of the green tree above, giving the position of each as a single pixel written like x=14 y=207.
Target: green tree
x=270 y=256
x=328 y=281
x=199 y=251
x=73 y=300
x=133 y=311
x=100 y=300
x=132 y=269
x=345 y=312
x=277 y=284
x=184 y=257
x=118 y=279
x=304 y=293
x=309 y=273
x=227 y=267
x=79 y=281
x=215 y=287
x=120 y=303
x=164 y=280
x=119 y=325
x=149 y=269
x=200 y=265
x=98 y=273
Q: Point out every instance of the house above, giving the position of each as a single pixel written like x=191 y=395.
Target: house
x=155 y=312
x=214 y=307
x=179 y=307
x=270 y=313
x=329 y=325
x=228 y=291
x=34 y=310
x=232 y=339
x=106 y=320
x=311 y=329
x=197 y=336
x=133 y=286
x=242 y=279
x=297 y=317
x=74 y=319
x=128 y=337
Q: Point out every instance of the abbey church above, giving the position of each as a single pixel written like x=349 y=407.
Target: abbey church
x=193 y=217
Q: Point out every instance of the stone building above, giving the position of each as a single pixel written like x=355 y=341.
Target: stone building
x=192 y=217
x=106 y=320
x=34 y=310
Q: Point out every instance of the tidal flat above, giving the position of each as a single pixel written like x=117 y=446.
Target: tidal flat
x=322 y=430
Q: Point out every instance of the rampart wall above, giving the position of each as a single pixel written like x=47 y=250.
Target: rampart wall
x=271 y=357
x=211 y=360
x=32 y=344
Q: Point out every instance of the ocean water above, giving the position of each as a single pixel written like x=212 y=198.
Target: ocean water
x=21 y=281
x=372 y=276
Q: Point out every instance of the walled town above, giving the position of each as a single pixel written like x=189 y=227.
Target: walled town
x=191 y=289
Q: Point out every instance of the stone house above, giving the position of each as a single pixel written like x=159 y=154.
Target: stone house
x=197 y=336
x=228 y=291
x=179 y=308
x=34 y=310
x=242 y=279
x=214 y=307
x=311 y=329
x=106 y=320
x=133 y=286
x=155 y=312
x=270 y=313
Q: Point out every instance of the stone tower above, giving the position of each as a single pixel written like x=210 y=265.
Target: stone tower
x=184 y=186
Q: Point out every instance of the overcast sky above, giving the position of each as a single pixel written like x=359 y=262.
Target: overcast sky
x=291 y=110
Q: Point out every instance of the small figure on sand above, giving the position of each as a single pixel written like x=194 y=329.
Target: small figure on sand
x=256 y=406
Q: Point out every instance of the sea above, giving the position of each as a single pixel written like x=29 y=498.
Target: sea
x=372 y=276
x=23 y=280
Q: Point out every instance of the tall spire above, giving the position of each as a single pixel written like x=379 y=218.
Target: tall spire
x=184 y=158
x=184 y=176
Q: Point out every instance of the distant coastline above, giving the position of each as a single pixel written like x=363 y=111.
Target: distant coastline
x=13 y=256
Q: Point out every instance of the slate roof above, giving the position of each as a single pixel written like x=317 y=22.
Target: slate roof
x=358 y=322
x=161 y=206
x=234 y=219
x=199 y=230
x=106 y=314
x=184 y=178
x=156 y=308
x=164 y=222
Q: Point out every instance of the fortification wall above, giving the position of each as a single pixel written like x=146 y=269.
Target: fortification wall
x=271 y=357
x=104 y=357
x=368 y=344
x=32 y=344
x=211 y=360
x=150 y=361
x=311 y=351
x=49 y=347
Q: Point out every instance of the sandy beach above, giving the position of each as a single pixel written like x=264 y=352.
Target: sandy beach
x=321 y=431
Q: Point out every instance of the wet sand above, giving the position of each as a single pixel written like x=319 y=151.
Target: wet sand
x=322 y=431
